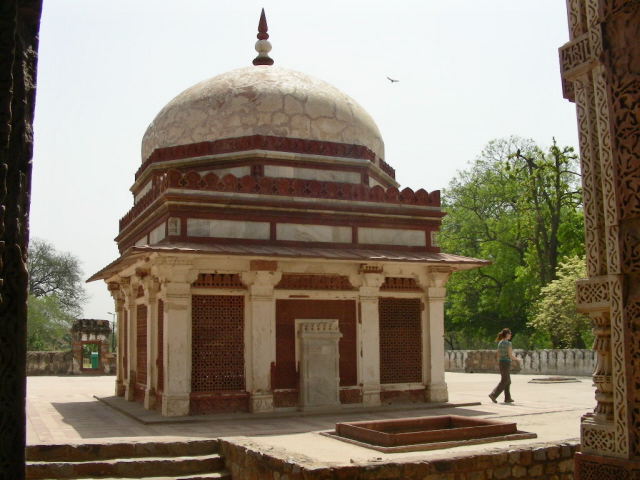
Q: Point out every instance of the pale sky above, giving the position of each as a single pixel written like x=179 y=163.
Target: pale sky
x=469 y=71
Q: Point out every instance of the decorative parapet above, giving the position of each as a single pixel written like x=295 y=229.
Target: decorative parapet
x=315 y=282
x=218 y=280
x=365 y=268
x=262 y=142
x=400 y=284
x=320 y=326
x=287 y=187
x=386 y=168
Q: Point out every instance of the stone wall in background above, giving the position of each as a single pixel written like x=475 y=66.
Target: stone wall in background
x=61 y=363
x=534 y=362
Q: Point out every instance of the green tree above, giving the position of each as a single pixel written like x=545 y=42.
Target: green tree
x=519 y=207
x=556 y=314
x=56 y=295
x=47 y=324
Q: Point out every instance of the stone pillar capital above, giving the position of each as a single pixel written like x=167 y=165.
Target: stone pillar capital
x=151 y=286
x=372 y=280
x=177 y=289
x=261 y=283
x=436 y=293
x=436 y=276
x=175 y=269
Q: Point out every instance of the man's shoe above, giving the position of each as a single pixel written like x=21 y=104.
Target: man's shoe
x=509 y=400
x=493 y=399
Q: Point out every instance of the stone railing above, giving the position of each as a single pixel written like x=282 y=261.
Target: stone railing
x=534 y=362
x=52 y=363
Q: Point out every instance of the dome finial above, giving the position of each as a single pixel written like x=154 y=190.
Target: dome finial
x=263 y=47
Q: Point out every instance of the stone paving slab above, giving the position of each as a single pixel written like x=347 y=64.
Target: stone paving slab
x=65 y=410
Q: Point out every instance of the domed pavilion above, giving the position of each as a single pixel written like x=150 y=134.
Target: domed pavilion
x=270 y=261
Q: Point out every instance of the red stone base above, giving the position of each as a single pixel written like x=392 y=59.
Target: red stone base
x=286 y=398
x=218 y=402
x=138 y=395
x=350 y=395
x=402 y=396
x=592 y=467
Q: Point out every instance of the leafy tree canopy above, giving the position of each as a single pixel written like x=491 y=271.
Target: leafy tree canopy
x=520 y=207
x=56 y=295
x=556 y=313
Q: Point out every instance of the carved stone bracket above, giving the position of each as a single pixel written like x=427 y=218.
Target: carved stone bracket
x=593 y=299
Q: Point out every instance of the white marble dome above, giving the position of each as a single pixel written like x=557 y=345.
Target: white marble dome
x=262 y=100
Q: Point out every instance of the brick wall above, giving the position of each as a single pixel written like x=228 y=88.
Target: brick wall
x=538 y=461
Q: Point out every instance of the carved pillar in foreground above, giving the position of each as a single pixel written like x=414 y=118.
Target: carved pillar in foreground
x=19 y=24
x=601 y=74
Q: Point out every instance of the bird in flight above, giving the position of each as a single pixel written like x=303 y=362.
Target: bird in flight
x=392 y=80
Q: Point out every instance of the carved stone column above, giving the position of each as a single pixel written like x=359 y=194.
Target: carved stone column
x=372 y=279
x=433 y=284
x=176 y=276
x=118 y=300
x=601 y=74
x=151 y=285
x=130 y=293
x=261 y=325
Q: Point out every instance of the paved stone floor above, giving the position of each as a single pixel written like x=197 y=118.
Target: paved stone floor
x=65 y=410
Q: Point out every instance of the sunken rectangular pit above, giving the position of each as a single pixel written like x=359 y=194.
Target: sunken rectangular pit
x=427 y=433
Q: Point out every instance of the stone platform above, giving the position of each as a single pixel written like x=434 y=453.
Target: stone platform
x=65 y=410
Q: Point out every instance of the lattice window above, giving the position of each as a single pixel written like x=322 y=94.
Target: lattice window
x=400 y=340
x=125 y=354
x=160 y=361
x=217 y=343
x=218 y=280
x=141 y=345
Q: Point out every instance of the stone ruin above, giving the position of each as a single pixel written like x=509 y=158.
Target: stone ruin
x=90 y=346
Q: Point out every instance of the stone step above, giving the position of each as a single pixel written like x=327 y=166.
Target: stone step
x=138 y=467
x=104 y=451
x=221 y=475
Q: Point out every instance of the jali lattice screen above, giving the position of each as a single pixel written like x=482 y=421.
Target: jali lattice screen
x=217 y=343
x=141 y=345
x=400 y=340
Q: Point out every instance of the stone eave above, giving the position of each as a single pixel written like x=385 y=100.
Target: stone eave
x=127 y=259
x=133 y=254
